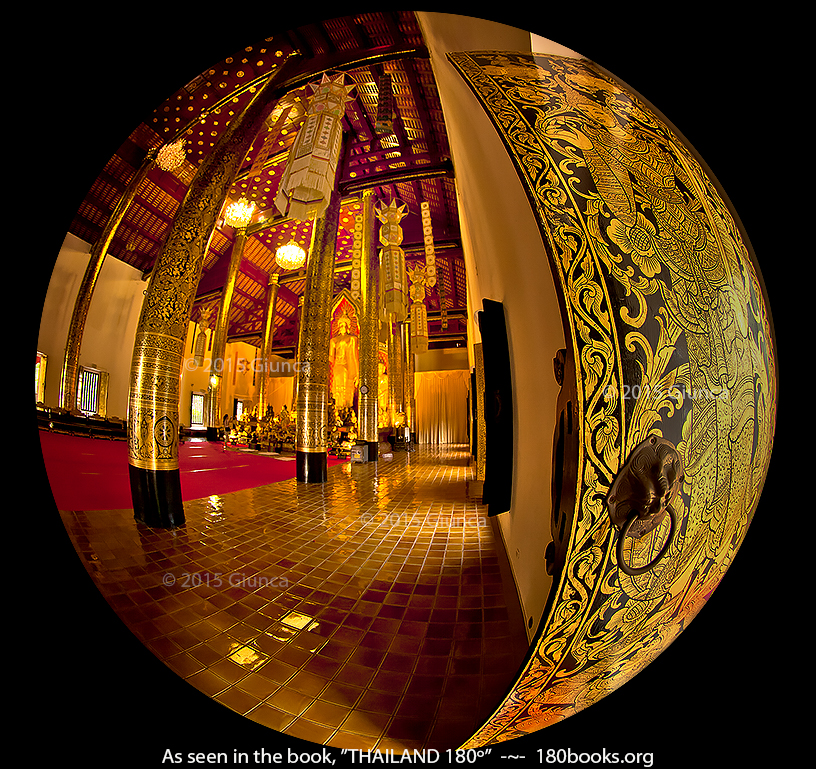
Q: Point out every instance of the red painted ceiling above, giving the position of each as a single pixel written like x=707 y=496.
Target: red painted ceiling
x=411 y=164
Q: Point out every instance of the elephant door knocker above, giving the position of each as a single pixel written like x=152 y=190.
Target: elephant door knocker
x=641 y=496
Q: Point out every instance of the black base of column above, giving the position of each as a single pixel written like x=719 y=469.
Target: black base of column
x=213 y=434
x=157 y=497
x=312 y=467
x=373 y=450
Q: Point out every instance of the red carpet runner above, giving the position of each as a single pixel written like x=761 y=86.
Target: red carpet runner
x=92 y=473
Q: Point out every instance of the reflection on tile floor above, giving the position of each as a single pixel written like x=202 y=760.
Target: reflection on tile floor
x=373 y=611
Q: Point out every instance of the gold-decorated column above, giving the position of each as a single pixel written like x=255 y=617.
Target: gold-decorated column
x=158 y=350
x=396 y=375
x=409 y=380
x=268 y=335
x=311 y=431
x=219 y=345
x=369 y=330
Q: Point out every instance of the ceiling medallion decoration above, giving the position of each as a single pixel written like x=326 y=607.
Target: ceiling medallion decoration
x=290 y=256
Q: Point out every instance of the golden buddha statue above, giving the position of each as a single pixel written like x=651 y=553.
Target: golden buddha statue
x=382 y=396
x=344 y=364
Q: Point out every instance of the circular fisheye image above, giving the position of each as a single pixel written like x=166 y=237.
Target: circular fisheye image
x=406 y=384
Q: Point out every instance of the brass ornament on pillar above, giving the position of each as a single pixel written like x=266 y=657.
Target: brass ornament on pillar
x=641 y=497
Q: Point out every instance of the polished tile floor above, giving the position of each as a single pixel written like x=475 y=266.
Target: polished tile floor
x=373 y=611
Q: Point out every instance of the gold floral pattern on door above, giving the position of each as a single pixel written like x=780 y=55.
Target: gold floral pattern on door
x=671 y=337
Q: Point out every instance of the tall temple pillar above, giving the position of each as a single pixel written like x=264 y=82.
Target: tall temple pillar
x=219 y=345
x=396 y=373
x=396 y=354
x=369 y=332
x=158 y=351
x=268 y=335
x=409 y=378
x=298 y=328
x=99 y=250
x=311 y=432
x=392 y=373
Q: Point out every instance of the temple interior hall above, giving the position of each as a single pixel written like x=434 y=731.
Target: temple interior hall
x=335 y=388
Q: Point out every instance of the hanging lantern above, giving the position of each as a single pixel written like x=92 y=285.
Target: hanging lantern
x=427 y=234
x=419 y=327
x=393 y=281
x=385 y=106
x=419 y=314
x=308 y=179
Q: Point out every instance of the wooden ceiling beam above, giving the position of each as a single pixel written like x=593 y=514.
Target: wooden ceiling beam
x=344 y=61
x=414 y=87
x=323 y=36
x=396 y=176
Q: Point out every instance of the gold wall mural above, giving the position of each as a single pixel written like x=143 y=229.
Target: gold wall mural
x=671 y=337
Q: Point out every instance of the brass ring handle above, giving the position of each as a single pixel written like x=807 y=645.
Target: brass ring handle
x=634 y=571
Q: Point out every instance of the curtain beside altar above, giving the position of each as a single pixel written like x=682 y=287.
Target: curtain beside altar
x=441 y=406
x=280 y=393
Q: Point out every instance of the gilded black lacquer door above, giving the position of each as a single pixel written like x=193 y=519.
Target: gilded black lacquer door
x=670 y=361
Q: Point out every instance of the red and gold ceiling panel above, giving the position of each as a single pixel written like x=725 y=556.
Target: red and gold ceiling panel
x=201 y=109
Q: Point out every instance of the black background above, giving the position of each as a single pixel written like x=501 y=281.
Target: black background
x=93 y=694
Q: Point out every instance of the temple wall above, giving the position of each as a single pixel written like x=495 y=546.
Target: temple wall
x=506 y=262
x=107 y=343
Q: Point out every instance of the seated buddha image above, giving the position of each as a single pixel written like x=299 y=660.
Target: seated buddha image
x=343 y=362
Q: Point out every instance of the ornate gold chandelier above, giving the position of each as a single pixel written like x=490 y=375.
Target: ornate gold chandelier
x=239 y=213
x=290 y=256
x=171 y=156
